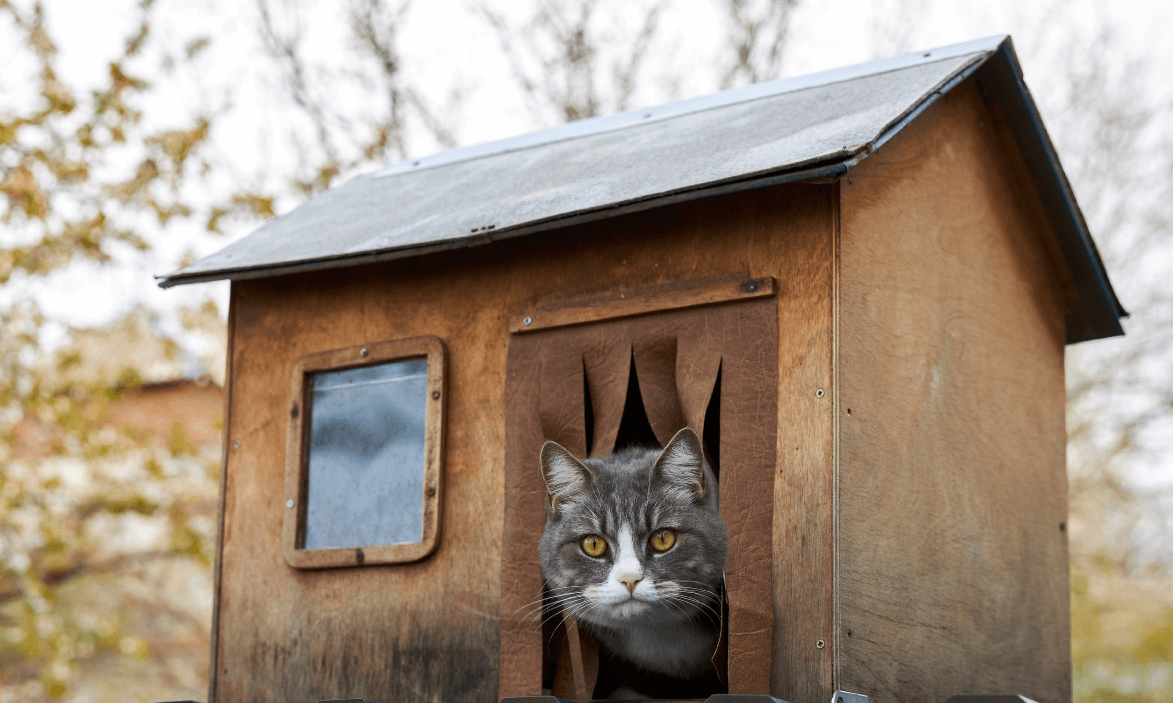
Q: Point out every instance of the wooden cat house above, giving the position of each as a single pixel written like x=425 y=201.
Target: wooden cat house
x=856 y=286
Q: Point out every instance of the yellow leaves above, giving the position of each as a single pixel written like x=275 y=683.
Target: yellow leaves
x=177 y=144
x=180 y=442
x=214 y=217
x=196 y=45
x=129 y=504
x=69 y=171
x=24 y=193
x=120 y=80
x=147 y=171
x=55 y=92
x=39 y=39
x=8 y=130
x=257 y=204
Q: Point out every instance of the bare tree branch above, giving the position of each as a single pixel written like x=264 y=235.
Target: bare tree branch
x=757 y=38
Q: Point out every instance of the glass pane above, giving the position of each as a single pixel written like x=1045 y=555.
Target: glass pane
x=366 y=456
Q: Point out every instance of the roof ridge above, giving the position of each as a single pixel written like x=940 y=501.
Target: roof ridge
x=688 y=106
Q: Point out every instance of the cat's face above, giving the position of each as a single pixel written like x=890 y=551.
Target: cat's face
x=634 y=535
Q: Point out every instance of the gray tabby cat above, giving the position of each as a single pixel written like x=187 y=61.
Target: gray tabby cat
x=634 y=547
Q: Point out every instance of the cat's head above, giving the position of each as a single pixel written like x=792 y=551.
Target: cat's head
x=633 y=535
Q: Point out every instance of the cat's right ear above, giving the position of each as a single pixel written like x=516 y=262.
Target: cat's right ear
x=565 y=476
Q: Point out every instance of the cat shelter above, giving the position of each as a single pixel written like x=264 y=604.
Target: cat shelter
x=856 y=286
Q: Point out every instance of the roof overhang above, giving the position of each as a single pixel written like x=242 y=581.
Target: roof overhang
x=799 y=129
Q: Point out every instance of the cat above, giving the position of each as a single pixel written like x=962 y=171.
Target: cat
x=634 y=548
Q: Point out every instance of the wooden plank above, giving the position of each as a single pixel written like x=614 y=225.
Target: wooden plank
x=612 y=304
x=213 y=664
x=803 y=520
x=1026 y=196
x=952 y=484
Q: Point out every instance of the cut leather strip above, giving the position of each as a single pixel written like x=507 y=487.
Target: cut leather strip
x=698 y=361
x=655 y=368
x=607 y=362
x=563 y=407
x=525 y=516
x=749 y=407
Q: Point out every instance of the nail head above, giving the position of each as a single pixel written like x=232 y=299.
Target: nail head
x=435 y=395
x=289 y=503
x=364 y=352
x=236 y=444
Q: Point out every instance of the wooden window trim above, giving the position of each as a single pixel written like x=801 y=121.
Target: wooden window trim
x=297 y=455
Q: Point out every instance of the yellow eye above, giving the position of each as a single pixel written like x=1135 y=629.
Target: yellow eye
x=594 y=545
x=662 y=540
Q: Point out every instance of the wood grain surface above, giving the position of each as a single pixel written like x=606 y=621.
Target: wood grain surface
x=952 y=484
x=438 y=629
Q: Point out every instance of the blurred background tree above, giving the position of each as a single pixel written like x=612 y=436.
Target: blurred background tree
x=192 y=123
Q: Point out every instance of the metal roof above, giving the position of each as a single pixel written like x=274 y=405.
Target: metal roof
x=785 y=130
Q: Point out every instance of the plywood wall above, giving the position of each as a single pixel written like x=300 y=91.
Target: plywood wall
x=952 y=551
x=430 y=631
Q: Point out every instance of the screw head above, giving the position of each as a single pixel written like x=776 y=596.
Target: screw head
x=289 y=503
x=435 y=395
x=819 y=393
x=527 y=321
x=820 y=644
x=751 y=286
x=364 y=352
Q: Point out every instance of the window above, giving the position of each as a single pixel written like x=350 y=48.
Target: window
x=699 y=353
x=363 y=455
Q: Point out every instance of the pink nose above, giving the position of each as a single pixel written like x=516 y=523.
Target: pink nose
x=631 y=584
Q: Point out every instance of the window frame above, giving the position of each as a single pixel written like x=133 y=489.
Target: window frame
x=297 y=453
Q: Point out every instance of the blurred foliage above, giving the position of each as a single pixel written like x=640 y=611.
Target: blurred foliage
x=109 y=446
x=105 y=524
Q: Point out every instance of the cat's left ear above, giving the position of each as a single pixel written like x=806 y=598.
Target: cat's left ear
x=682 y=464
x=565 y=476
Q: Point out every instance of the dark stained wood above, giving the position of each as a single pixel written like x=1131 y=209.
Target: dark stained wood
x=615 y=303
x=297 y=442
x=952 y=487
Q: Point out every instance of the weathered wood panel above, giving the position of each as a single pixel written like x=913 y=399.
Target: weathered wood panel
x=952 y=485
x=803 y=567
x=432 y=630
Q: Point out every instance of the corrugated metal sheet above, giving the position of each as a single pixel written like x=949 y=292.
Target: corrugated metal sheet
x=778 y=131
